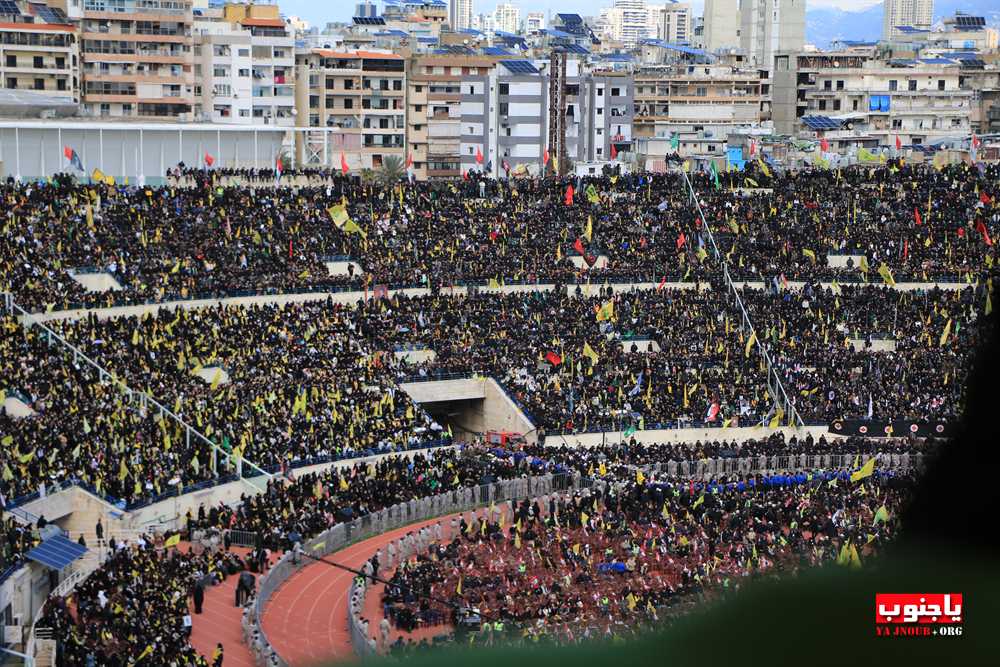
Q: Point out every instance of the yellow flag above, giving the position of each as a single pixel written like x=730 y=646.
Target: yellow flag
x=606 y=311
x=945 y=334
x=588 y=233
x=593 y=356
x=172 y=541
x=750 y=343
x=865 y=471
x=810 y=254
x=886 y=275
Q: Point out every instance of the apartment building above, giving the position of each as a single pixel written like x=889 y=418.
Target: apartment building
x=896 y=14
x=137 y=59
x=721 y=24
x=40 y=56
x=359 y=98
x=245 y=66
x=434 y=111
x=853 y=95
x=671 y=23
x=695 y=101
x=770 y=27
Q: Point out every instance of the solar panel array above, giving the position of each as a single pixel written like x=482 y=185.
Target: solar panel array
x=57 y=552
x=519 y=67
x=495 y=51
x=9 y=8
x=821 y=123
x=361 y=20
x=50 y=14
x=973 y=22
x=575 y=48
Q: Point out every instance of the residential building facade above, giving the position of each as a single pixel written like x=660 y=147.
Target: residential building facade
x=769 y=27
x=137 y=59
x=460 y=14
x=40 y=57
x=671 y=23
x=898 y=14
x=721 y=24
x=356 y=100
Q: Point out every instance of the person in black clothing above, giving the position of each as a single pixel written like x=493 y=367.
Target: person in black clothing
x=199 y=596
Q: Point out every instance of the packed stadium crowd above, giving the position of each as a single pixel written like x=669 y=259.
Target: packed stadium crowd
x=283 y=386
x=140 y=601
x=172 y=242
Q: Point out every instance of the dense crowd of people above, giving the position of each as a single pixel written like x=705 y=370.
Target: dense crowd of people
x=141 y=600
x=603 y=564
x=209 y=239
x=321 y=381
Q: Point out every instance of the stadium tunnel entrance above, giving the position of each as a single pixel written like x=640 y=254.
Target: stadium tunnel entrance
x=471 y=406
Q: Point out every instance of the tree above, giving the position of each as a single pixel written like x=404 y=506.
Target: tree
x=391 y=170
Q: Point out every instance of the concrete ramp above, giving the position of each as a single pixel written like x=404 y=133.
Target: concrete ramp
x=840 y=261
x=340 y=268
x=416 y=356
x=878 y=345
x=437 y=391
x=212 y=373
x=643 y=346
x=96 y=282
x=15 y=407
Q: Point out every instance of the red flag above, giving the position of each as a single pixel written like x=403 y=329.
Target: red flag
x=906 y=248
x=545 y=158
x=985 y=198
x=713 y=412
x=479 y=155
x=614 y=152
x=961 y=232
x=465 y=175
x=506 y=165
x=409 y=160
x=975 y=141
x=569 y=195
x=344 y=168
x=899 y=143
x=681 y=240
x=662 y=283
x=553 y=358
x=68 y=152
x=578 y=246
x=981 y=228
x=916 y=216
x=289 y=249
x=209 y=160
x=753 y=148
x=824 y=145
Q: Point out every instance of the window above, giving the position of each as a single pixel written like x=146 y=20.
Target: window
x=600 y=111
x=504 y=109
x=893 y=84
x=329 y=83
x=12 y=82
x=420 y=89
x=11 y=61
x=911 y=84
x=38 y=62
x=615 y=92
x=472 y=90
x=348 y=84
x=822 y=105
x=220 y=72
x=940 y=84
x=60 y=84
x=600 y=92
x=854 y=105
x=243 y=53
x=348 y=103
x=244 y=72
x=397 y=84
x=505 y=89
x=836 y=105
x=840 y=85
x=827 y=85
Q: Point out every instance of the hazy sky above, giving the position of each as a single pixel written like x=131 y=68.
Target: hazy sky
x=318 y=12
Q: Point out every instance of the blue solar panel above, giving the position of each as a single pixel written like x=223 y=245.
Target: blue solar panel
x=56 y=552
x=575 y=48
x=519 y=67
x=820 y=123
x=496 y=51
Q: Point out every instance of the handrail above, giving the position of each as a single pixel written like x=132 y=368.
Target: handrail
x=783 y=401
x=144 y=398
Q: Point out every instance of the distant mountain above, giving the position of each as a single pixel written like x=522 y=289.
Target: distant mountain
x=824 y=25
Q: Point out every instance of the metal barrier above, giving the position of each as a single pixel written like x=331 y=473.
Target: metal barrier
x=377 y=523
x=709 y=469
x=777 y=388
x=142 y=399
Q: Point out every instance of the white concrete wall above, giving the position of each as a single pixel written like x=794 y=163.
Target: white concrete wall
x=682 y=435
x=340 y=268
x=97 y=282
x=445 y=390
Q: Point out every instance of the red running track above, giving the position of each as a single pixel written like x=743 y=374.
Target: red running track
x=306 y=619
x=221 y=621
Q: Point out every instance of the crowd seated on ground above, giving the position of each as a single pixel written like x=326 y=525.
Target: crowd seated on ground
x=586 y=565
x=170 y=242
